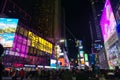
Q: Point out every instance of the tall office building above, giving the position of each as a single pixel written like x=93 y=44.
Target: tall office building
x=48 y=19
x=96 y=35
x=115 y=4
x=27 y=47
x=96 y=6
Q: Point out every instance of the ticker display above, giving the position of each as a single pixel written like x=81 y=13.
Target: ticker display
x=39 y=43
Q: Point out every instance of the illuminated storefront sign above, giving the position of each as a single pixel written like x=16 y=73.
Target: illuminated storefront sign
x=53 y=63
x=86 y=57
x=62 y=61
x=40 y=43
x=20 y=45
x=82 y=61
x=81 y=53
x=29 y=65
x=18 y=65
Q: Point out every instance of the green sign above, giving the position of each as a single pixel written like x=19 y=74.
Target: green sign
x=86 y=57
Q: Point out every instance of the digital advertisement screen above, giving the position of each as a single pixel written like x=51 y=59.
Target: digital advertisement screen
x=62 y=61
x=113 y=56
x=92 y=59
x=53 y=63
x=20 y=45
x=118 y=30
x=86 y=57
x=7 y=31
x=107 y=22
x=40 y=43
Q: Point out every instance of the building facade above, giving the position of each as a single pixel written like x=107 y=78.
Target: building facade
x=110 y=35
x=29 y=48
x=35 y=36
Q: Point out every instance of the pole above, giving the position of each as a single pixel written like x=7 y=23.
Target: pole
x=91 y=36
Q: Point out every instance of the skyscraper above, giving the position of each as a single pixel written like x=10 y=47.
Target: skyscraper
x=96 y=35
x=96 y=6
x=48 y=19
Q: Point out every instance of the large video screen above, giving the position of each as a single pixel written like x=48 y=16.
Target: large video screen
x=107 y=23
x=7 y=31
x=62 y=61
x=39 y=43
x=20 y=45
x=113 y=56
x=53 y=63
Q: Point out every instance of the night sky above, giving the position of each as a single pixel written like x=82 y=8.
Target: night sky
x=77 y=14
x=77 y=18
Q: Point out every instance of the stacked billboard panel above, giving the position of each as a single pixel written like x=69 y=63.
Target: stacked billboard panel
x=23 y=46
x=110 y=36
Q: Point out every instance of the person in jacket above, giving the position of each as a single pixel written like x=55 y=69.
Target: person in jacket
x=22 y=74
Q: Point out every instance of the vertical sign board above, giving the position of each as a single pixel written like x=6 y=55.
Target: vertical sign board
x=86 y=57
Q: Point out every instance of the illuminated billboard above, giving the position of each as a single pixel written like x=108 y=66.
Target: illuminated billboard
x=7 y=31
x=53 y=63
x=20 y=45
x=92 y=59
x=40 y=43
x=113 y=56
x=107 y=22
x=62 y=61
x=86 y=57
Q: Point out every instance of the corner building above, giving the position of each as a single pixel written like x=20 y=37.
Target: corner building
x=29 y=48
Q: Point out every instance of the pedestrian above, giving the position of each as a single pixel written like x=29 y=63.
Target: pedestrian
x=22 y=74
x=117 y=72
x=1 y=65
x=13 y=74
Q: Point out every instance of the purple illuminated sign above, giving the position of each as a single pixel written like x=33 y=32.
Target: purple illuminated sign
x=20 y=45
x=107 y=23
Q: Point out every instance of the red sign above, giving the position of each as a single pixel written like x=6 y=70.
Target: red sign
x=18 y=65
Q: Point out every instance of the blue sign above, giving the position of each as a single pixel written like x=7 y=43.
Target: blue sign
x=92 y=58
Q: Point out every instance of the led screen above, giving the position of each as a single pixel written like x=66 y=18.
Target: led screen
x=92 y=59
x=39 y=43
x=20 y=45
x=7 y=31
x=107 y=22
x=62 y=61
x=113 y=56
x=53 y=63
x=86 y=57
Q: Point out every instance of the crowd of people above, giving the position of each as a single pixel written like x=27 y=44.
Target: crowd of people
x=64 y=74
x=93 y=73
